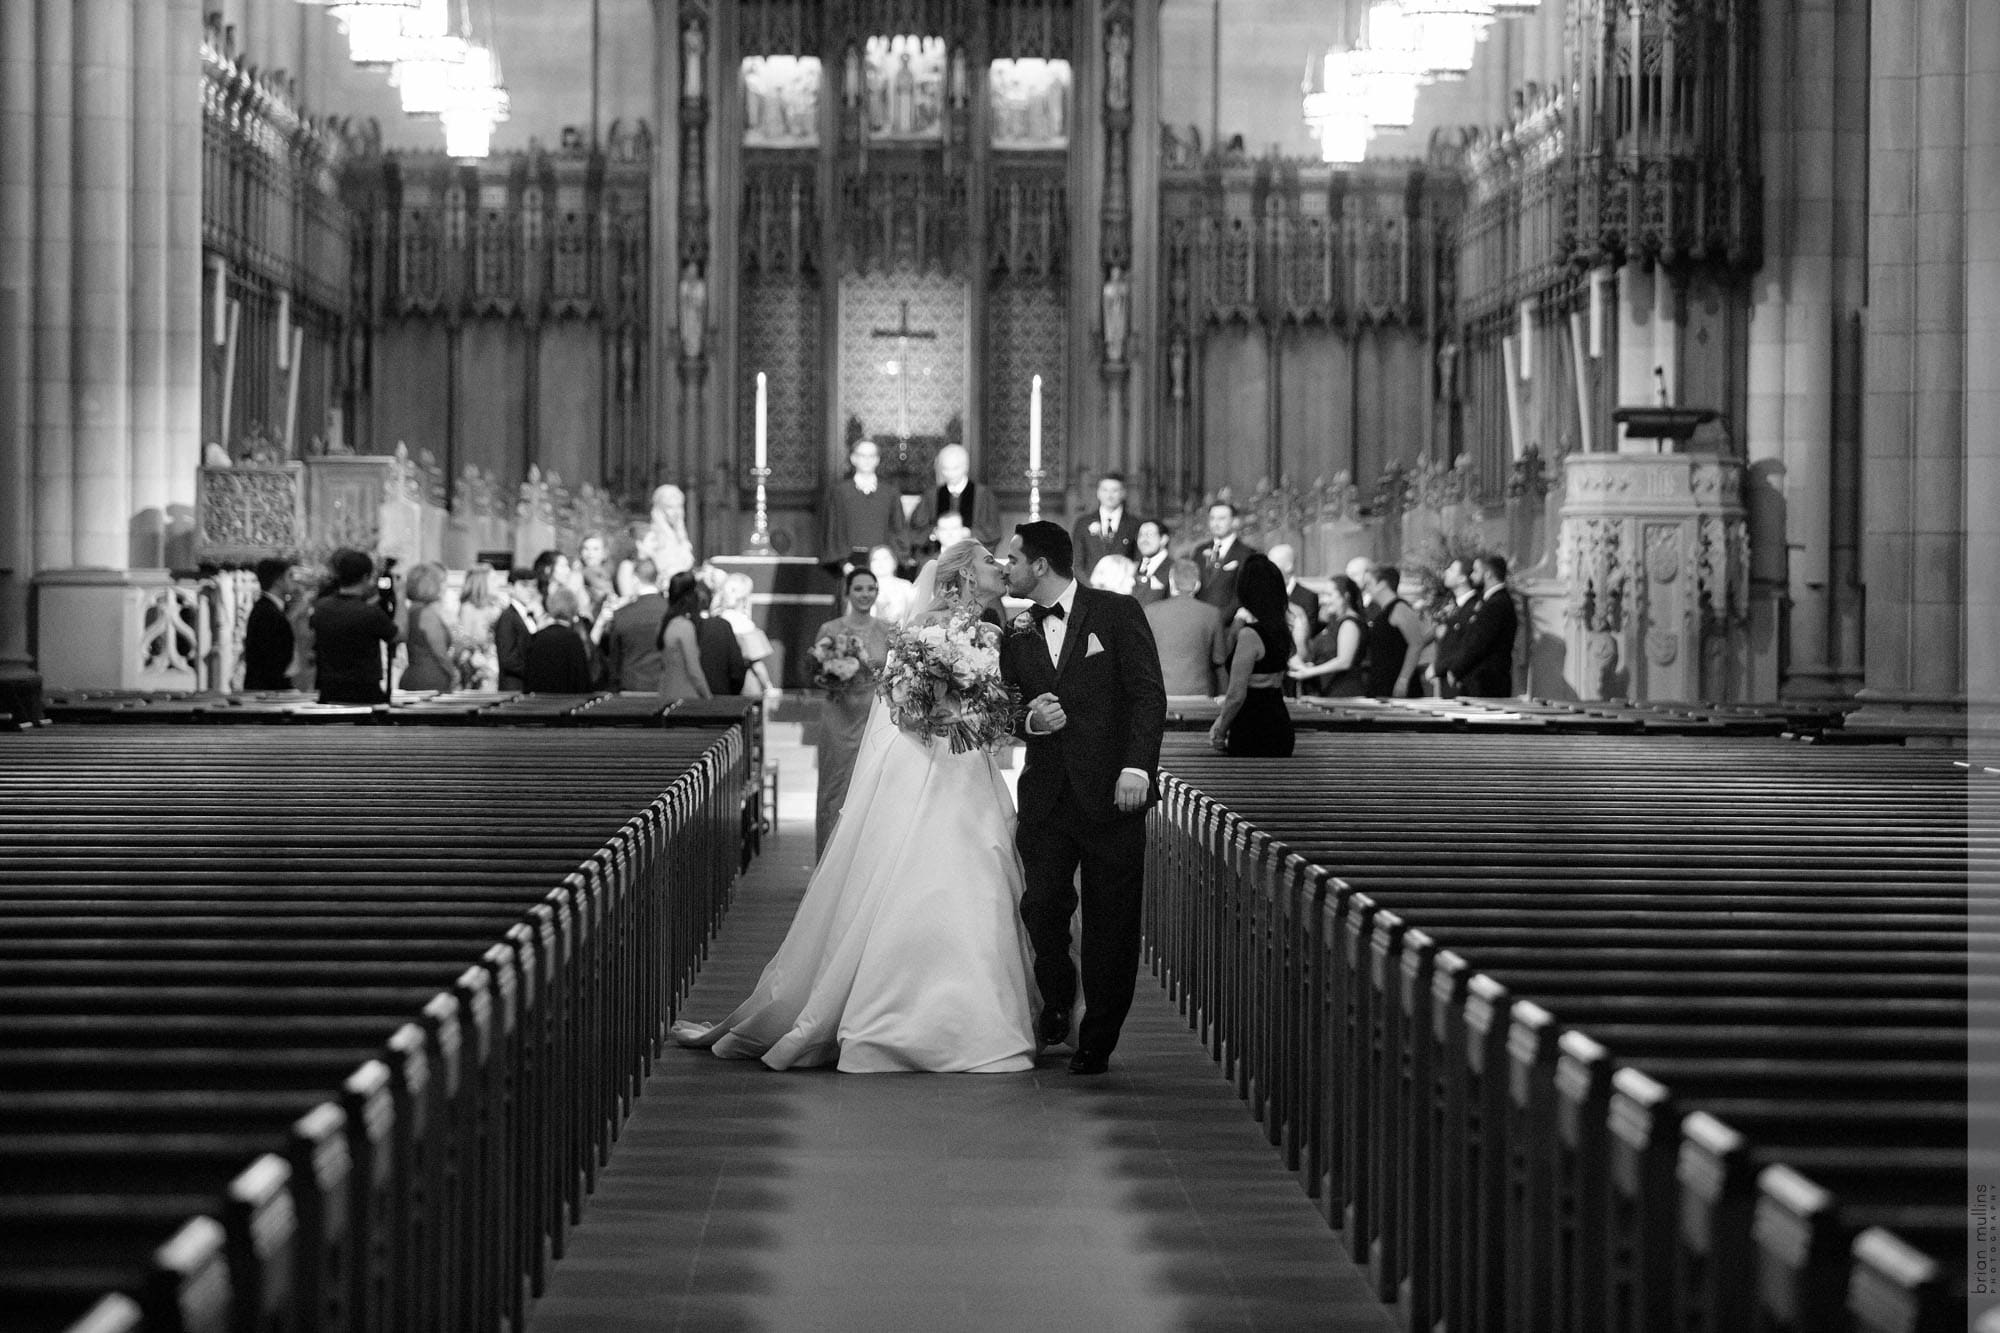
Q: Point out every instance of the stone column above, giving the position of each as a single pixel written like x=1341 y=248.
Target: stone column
x=18 y=92
x=1982 y=367
x=1914 y=415
x=181 y=53
x=49 y=352
x=100 y=279
x=151 y=257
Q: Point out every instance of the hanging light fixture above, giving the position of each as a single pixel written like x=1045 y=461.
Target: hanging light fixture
x=1448 y=33
x=374 y=28
x=432 y=57
x=478 y=101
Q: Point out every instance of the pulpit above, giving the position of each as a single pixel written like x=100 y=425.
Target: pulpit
x=791 y=597
x=1654 y=556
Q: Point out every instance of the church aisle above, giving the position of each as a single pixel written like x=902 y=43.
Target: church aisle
x=738 y=1198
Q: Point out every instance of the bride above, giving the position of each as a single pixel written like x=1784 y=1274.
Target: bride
x=908 y=951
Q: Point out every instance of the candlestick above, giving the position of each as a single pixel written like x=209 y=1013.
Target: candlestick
x=1035 y=426
x=1035 y=475
x=763 y=424
x=760 y=530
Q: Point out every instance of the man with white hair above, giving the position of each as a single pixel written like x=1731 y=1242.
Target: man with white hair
x=957 y=493
x=1304 y=598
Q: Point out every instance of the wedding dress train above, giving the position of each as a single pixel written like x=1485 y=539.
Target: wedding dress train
x=908 y=951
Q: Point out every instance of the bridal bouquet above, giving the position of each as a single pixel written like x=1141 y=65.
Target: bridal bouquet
x=943 y=679
x=839 y=659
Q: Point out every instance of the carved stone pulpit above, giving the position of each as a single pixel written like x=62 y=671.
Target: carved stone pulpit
x=1654 y=556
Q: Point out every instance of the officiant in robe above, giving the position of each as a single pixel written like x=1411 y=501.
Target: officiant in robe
x=861 y=512
x=957 y=493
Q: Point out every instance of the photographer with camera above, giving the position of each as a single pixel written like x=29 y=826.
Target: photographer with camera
x=350 y=629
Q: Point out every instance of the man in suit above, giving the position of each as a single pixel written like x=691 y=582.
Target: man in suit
x=861 y=513
x=1192 y=638
x=1482 y=660
x=558 y=657
x=1304 y=598
x=1110 y=529
x=1149 y=580
x=268 y=640
x=1086 y=662
x=632 y=641
x=1457 y=619
x=956 y=494
x=516 y=625
x=1221 y=556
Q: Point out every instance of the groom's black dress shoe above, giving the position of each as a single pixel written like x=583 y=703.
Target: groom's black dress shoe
x=1053 y=1029
x=1089 y=1062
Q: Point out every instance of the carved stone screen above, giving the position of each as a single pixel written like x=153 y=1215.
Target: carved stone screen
x=1028 y=338
x=781 y=101
x=781 y=338
x=878 y=368
x=1030 y=104
x=906 y=87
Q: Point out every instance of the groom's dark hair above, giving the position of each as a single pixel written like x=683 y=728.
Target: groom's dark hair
x=1043 y=540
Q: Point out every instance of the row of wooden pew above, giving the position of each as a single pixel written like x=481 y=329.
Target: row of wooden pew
x=1578 y=1033
x=331 y=1029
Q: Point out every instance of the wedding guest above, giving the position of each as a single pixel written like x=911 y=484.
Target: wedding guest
x=844 y=713
x=732 y=606
x=1150 y=579
x=350 y=630
x=1190 y=634
x=594 y=574
x=558 y=654
x=722 y=664
x=268 y=638
x=1452 y=626
x=1221 y=558
x=1254 y=719
x=666 y=542
x=426 y=633
x=860 y=513
x=681 y=675
x=1113 y=573
x=480 y=602
x=1300 y=596
x=632 y=641
x=1334 y=665
x=1395 y=635
x=1110 y=529
x=892 y=603
x=956 y=493
x=516 y=624
x=1482 y=660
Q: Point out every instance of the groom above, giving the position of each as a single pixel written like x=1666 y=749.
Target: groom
x=1085 y=663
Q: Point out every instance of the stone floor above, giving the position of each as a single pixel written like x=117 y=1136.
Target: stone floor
x=738 y=1198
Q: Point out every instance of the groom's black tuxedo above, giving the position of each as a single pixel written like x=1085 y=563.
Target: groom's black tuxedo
x=1108 y=681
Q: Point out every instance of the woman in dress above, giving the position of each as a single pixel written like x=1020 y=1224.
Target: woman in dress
x=480 y=602
x=681 y=675
x=732 y=603
x=1334 y=665
x=1254 y=720
x=843 y=717
x=907 y=952
x=427 y=634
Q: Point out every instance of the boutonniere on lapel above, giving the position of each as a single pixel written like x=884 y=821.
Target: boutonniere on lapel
x=1097 y=528
x=1021 y=624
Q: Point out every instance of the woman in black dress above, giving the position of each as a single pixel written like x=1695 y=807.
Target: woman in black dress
x=1254 y=719
x=1338 y=654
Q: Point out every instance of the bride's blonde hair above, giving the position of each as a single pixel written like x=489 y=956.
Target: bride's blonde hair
x=953 y=573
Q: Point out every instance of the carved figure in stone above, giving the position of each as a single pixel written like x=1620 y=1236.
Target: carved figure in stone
x=1117 y=299
x=1177 y=369
x=903 y=99
x=693 y=311
x=957 y=83
x=666 y=541
x=692 y=42
x=214 y=455
x=852 y=88
x=1118 y=68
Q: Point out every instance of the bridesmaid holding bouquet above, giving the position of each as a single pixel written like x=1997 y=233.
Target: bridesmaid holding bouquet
x=849 y=653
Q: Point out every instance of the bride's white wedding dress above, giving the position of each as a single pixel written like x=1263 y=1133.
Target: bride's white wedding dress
x=908 y=951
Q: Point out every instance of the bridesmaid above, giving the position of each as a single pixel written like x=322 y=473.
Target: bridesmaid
x=844 y=715
x=681 y=676
x=1254 y=719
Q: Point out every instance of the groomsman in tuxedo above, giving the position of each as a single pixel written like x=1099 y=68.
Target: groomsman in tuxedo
x=268 y=638
x=1110 y=529
x=958 y=494
x=517 y=624
x=861 y=513
x=1482 y=660
x=1149 y=580
x=1452 y=628
x=1220 y=557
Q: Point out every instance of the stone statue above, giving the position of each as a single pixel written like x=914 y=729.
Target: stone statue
x=1117 y=306
x=959 y=94
x=691 y=60
x=1118 y=68
x=903 y=99
x=694 y=311
x=1177 y=369
x=665 y=542
x=852 y=88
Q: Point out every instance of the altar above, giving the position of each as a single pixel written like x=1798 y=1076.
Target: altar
x=791 y=597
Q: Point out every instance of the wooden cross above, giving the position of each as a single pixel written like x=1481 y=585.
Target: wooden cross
x=902 y=333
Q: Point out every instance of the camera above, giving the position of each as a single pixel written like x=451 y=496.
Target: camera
x=385 y=585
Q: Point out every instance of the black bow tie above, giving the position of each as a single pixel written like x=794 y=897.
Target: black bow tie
x=1041 y=613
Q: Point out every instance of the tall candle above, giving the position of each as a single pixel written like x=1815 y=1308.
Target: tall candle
x=1035 y=425
x=763 y=421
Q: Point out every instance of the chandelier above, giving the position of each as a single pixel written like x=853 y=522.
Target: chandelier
x=1352 y=92
x=374 y=28
x=437 y=71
